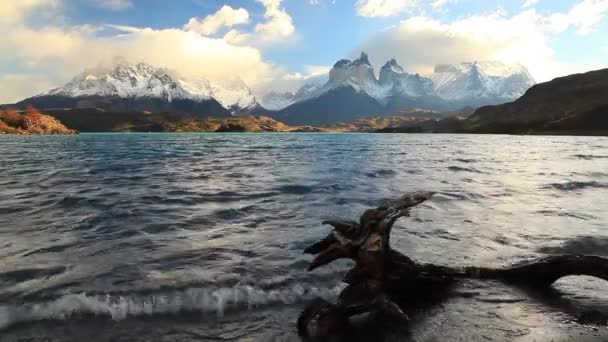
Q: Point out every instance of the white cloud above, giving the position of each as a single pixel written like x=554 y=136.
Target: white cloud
x=438 y=4
x=60 y=53
x=224 y=17
x=236 y=37
x=278 y=25
x=115 y=5
x=13 y=86
x=14 y=11
x=50 y=55
x=585 y=16
x=311 y=71
x=421 y=42
x=383 y=8
x=530 y=3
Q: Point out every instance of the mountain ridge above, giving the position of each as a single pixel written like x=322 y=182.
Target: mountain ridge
x=450 y=88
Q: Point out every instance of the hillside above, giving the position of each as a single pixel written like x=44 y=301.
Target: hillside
x=32 y=122
x=575 y=103
x=96 y=120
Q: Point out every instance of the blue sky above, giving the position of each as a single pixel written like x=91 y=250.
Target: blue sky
x=280 y=43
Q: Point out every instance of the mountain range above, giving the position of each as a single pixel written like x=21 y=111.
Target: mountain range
x=350 y=91
x=141 y=87
x=353 y=91
x=575 y=105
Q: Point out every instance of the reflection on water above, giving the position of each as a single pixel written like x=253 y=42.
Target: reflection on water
x=194 y=237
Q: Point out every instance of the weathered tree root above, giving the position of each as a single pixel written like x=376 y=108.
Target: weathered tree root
x=383 y=277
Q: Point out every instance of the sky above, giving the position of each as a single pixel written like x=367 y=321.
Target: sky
x=280 y=44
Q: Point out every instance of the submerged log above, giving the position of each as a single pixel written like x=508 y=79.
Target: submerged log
x=386 y=282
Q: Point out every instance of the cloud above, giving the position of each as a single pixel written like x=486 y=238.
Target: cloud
x=530 y=3
x=236 y=37
x=278 y=25
x=115 y=5
x=224 y=17
x=382 y=8
x=49 y=55
x=419 y=43
x=311 y=71
x=13 y=86
x=585 y=16
x=438 y=4
x=15 y=11
x=60 y=53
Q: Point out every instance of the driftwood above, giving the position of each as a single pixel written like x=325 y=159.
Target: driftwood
x=388 y=283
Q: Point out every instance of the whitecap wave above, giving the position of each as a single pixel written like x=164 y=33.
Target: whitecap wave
x=119 y=307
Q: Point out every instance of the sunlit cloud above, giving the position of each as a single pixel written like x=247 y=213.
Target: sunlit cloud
x=224 y=17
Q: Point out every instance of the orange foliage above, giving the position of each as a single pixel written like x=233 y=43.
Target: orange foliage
x=3 y=124
x=32 y=117
x=12 y=117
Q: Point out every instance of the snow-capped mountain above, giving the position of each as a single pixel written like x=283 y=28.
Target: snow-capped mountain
x=478 y=80
x=357 y=74
x=128 y=80
x=144 y=81
x=398 y=82
x=275 y=100
x=449 y=88
x=233 y=93
x=278 y=100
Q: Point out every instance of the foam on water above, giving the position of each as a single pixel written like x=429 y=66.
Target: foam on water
x=118 y=307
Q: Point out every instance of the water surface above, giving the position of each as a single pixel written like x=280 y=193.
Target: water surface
x=108 y=237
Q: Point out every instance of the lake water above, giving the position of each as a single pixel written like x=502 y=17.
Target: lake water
x=196 y=237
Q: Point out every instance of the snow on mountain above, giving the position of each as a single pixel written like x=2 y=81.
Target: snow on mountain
x=127 y=80
x=276 y=100
x=475 y=82
x=481 y=80
x=143 y=80
x=232 y=94
x=400 y=83
x=358 y=74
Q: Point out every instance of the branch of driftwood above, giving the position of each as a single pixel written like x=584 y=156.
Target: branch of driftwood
x=388 y=283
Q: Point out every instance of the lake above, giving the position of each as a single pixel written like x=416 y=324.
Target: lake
x=196 y=237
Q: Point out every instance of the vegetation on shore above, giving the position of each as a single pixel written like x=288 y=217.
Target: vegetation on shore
x=32 y=122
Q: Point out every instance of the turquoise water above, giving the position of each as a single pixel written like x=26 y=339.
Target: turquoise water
x=199 y=236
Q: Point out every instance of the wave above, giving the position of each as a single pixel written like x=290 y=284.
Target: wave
x=590 y=156
x=575 y=185
x=381 y=173
x=463 y=169
x=122 y=306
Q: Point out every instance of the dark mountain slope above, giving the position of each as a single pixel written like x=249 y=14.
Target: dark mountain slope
x=577 y=101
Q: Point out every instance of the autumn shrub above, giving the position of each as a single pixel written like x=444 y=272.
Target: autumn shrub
x=12 y=118
x=32 y=118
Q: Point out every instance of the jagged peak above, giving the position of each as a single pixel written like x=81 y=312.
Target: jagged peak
x=389 y=63
x=393 y=66
x=346 y=63
x=343 y=63
x=363 y=60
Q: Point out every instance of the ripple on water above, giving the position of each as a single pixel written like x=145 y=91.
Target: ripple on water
x=576 y=185
x=382 y=173
x=455 y=168
x=590 y=156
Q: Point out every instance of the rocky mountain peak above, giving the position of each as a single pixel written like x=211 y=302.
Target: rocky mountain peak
x=363 y=60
